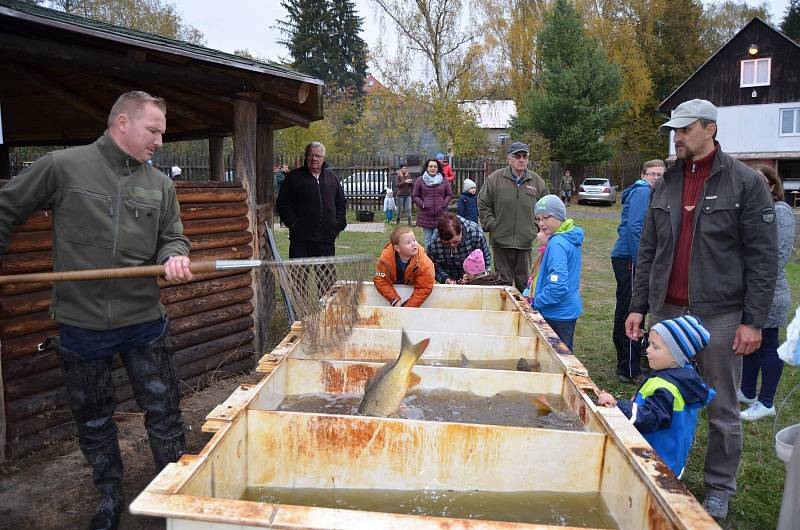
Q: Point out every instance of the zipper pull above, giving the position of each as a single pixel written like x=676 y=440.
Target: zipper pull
x=110 y=209
x=136 y=211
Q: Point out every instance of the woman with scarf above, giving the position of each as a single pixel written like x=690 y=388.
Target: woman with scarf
x=431 y=194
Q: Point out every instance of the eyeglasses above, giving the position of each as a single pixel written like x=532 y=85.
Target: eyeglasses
x=317 y=157
x=520 y=155
x=653 y=174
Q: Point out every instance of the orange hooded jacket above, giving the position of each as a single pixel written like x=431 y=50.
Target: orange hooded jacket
x=419 y=273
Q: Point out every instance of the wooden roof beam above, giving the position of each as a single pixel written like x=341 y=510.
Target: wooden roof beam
x=278 y=114
x=173 y=103
x=301 y=119
x=109 y=63
x=51 y=86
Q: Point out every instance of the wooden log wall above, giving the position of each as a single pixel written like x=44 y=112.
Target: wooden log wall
x=211 y=318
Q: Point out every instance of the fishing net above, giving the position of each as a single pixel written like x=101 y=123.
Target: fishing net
x=324 y=294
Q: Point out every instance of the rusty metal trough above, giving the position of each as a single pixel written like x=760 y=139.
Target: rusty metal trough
x=255 y=445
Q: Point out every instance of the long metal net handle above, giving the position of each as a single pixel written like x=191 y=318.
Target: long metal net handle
x=325 y=293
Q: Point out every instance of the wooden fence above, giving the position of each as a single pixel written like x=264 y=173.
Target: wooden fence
x=211 y=323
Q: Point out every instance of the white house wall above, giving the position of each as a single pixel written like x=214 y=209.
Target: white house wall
x=753 y=130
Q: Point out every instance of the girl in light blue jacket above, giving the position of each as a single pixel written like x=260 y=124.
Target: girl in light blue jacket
x=557 y=283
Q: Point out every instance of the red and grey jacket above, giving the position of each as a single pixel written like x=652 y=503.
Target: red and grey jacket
x=734 y=263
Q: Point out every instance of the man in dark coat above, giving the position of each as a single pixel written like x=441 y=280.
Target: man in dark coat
x=311 y=203
x=709 y=247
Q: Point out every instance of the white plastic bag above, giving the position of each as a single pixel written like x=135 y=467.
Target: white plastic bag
x=789 y=351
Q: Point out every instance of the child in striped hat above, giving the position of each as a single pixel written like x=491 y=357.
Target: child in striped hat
x=665 y=407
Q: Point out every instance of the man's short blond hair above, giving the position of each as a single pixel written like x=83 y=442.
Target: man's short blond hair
x=131 y=103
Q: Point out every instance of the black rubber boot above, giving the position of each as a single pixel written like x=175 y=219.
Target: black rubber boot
x=92 y=400
x=166 y=451
x=109 y=509
x=151 y=370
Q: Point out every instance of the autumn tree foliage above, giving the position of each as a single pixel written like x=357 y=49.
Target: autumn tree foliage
x=151 y=16
x=578 y=100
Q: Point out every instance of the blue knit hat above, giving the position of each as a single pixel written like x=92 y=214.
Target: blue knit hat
x=684 y=336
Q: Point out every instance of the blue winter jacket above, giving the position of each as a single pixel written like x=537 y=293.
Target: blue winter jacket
x=467 y=206
x=635 y=201
x=665 y=412
x=557 y=295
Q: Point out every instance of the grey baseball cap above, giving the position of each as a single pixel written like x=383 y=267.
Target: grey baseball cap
x=689 y=112
x=516 y=147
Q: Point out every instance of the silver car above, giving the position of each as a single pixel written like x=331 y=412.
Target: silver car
x=365 y=185
x=595 y=189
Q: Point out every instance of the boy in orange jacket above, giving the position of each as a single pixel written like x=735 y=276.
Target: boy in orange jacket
x=404 y=261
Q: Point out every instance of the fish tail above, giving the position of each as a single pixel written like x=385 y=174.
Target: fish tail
x=412 y=352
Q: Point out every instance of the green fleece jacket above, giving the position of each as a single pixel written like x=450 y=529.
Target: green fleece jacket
x=109 y=210
x=506 y=210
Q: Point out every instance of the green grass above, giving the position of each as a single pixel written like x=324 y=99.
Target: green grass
x=761 y=474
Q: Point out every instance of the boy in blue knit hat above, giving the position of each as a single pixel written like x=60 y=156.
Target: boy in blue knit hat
x=665 y=407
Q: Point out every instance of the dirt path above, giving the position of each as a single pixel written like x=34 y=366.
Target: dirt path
x=52 y=488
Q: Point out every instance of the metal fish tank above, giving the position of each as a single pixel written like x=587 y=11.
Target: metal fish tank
x=327 y=468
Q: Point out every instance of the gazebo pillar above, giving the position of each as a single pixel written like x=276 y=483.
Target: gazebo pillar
x=265 y=193
x=245 y=124
x=216 y=157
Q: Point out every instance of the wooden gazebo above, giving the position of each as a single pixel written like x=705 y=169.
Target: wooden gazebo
x=62 y=73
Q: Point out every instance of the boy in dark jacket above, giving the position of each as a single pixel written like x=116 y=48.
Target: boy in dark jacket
x=467 y=206
x=635 y=201
x=665 y=407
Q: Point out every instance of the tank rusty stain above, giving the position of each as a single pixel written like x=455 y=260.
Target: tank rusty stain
x=332 y=378
x=365 y=354
x=335 y=434
x=656 y=517
x=665 y=478
x=371 y=321
x=357 y=376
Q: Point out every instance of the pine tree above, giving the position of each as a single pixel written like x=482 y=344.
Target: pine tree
x=791 y=21
x=323 y=39
x=348 y=51
x=577 y=103
x=306 y=37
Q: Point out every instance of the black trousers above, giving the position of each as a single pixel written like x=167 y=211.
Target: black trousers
x=90 y=388
x=629 y=353
x=311 y=249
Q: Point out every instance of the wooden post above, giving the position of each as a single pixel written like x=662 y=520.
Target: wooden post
x=265 y=188
x=245 y=117
x=264 y=163
x=215 y=157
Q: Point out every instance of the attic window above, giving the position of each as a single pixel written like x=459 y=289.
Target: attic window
x=755 y=72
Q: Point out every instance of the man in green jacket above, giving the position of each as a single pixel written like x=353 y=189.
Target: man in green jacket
x=111 y=209
x=505 y=207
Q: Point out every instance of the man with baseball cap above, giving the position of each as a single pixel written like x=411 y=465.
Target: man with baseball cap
x=505 y=208
x=709 y=248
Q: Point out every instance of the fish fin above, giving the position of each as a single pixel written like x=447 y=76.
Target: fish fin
x=464 y=362
x=415 y=351
x=541 y=403
x=413 y=379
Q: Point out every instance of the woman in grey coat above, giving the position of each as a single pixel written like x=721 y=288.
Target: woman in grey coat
x=766 y=359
